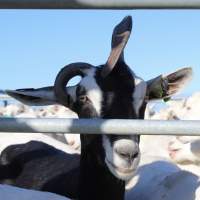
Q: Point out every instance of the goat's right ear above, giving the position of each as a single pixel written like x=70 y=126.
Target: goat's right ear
x=34 y=97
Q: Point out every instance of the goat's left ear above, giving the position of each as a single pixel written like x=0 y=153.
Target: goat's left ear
x=34 y=97
x=120 y=36
x=164 y=86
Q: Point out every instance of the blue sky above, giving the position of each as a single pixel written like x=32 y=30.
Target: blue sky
x=35 y=44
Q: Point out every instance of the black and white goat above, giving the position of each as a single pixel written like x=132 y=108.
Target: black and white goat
x=108 y=91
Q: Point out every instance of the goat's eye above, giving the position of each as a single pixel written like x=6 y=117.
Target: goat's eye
x=82 y=98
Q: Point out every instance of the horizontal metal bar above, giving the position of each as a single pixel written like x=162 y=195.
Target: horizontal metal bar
x=97 y=4
x=99 y=126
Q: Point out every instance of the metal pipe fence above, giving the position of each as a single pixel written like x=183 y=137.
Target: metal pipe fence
x=100 y=126
x=99 y=4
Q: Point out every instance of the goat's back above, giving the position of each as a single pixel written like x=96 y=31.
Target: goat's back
x=36 y=165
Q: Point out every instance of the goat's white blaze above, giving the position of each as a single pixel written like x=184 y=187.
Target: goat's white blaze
x=93 y=91
x=139 y=93
x=120 y=167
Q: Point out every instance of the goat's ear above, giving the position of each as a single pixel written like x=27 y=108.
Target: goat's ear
x=164 y=86
x=120 y=36
x=34 y=97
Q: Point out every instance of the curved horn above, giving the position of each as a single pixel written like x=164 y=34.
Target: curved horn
x=63 y=77
x=120 y=36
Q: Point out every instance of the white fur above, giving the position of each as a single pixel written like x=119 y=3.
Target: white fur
x=73 y=140
x=139 y=93
x=15 y=193
x=94 y=92
x=158 y=178
x=186 y=152
x=182 y=150
x=176 y=150
x=120 y=167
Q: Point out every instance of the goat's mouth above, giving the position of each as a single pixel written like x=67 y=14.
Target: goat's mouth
x=173 y=152
x=120 y=172
x=120 y=169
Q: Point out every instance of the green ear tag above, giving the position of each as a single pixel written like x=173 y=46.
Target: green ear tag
x=166 y=99
x=158 y=92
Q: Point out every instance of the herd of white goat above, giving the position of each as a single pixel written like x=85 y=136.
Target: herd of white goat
x=169 y=165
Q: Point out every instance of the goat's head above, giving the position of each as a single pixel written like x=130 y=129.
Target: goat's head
x=108 y=91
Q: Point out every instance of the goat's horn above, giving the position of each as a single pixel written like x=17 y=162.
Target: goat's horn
x=63 y=77
x=121 y=34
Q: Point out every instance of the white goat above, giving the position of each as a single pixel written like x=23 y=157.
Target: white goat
x=159 y=178
x=15 y=193
x=162 y=180
x=185 y=151
x=182 y=150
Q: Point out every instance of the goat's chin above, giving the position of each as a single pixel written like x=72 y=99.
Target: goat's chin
x=121 y=173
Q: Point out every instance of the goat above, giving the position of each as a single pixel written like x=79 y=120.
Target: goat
x=108 y=91
x=8 y=139
x=14 y=193
x=185 y=151
x=158 y=178
x=182 y=150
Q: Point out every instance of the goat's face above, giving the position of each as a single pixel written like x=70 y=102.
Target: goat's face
x=120 y=95
x=185 y=149
x=126 y=100
x=108 y=91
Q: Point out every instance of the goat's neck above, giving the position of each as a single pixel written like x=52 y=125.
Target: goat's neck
x=96 y=181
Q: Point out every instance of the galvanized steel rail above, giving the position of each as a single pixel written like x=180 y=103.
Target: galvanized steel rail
x=98 y=4
x=99 y=126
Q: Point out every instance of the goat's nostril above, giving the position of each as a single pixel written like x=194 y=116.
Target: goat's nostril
x=122 y=154
x=134 y=155
x=82 y=98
